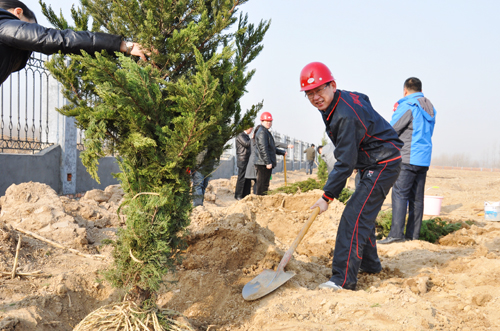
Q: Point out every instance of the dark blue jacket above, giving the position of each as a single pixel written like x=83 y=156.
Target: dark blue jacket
x=362 y=138
x=414 y=121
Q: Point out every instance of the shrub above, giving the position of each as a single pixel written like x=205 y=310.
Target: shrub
x=431 y=229
x=309 y=185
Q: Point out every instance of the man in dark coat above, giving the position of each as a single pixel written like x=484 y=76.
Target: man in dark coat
x=243 y=152
x=20 y=35
x=266 y=152
x=363 y=140
x=310 y=157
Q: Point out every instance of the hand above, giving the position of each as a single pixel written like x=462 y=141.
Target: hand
x=290 y=146
x=137 y=50
x=321 y=203
x=269 y=166
x=286 y=153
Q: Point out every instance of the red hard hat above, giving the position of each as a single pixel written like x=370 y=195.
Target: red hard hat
x=313 y=75
x=266 y=116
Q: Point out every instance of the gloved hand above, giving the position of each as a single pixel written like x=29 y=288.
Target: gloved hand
x=322 y=204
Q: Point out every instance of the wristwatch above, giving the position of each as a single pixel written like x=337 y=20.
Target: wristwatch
x=129 y=46
x=328 y=201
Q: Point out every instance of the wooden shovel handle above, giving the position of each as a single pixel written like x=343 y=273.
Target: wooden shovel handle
x=302 y=233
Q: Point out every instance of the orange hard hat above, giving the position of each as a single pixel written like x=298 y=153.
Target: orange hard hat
x=313 y=75
x=266 y=116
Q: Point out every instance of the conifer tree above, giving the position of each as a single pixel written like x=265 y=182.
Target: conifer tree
x=322 y=168
x=158 y=115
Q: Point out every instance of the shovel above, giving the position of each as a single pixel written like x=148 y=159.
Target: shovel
x=269 y=280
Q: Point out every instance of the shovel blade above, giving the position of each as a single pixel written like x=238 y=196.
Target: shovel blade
x=265 y=283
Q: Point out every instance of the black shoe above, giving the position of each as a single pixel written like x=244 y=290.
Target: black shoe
x=390 y=240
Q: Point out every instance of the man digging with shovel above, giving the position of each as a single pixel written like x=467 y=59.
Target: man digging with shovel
x=363 y=140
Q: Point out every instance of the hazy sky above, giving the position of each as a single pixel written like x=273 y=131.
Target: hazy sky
x=372 y=47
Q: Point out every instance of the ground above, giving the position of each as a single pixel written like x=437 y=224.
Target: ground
x=449 y=285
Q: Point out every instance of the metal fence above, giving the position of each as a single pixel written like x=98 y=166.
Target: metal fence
x=24 y=109
x=27 y=102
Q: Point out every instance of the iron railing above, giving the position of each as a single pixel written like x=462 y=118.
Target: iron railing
x=24 y=104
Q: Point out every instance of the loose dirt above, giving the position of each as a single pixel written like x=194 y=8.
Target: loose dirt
x=449 y=285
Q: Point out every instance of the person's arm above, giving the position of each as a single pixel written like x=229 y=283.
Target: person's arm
x=280 y=151
x=34 y=37
x=402 y=118
x=350 y=134
x=240 y=139
x=282 y=145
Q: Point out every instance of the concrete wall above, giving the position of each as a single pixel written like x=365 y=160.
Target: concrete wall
x=225 y=169
x=107 y=167
x=21 y=168
x=45 y=167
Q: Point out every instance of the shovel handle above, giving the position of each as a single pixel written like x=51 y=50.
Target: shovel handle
x=302 y=233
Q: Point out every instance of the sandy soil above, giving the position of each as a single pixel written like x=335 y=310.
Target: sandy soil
x=450 y=285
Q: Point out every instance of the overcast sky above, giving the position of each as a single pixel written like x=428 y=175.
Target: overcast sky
x=372 y=47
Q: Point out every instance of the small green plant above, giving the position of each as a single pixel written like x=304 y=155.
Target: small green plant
x=383 y=223
x=345 y=195
x=431 y=229
x=304 y=186
x=375 y=305
x=309 y=185
x=436 y=228
x=322 y=167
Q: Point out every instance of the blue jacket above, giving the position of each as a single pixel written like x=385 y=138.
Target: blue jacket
x=414 y=121
x=362 y=138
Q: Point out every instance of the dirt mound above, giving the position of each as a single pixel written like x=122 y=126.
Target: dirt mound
x=68 y=286
x=228 y=250
x=450 y=285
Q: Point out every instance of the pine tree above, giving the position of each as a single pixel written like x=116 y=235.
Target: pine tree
x=322 y=168
x=158 y=115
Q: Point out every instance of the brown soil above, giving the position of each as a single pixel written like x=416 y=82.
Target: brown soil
x=450 y=285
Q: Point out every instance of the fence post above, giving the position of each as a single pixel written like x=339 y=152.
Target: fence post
x=285 y=140
x=300 y=155
x=63 y=132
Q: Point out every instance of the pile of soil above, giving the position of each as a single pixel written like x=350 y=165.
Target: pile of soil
x=449 y=285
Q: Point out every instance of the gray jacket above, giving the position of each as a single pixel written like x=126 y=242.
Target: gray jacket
x=328 y=156
x=251 y=173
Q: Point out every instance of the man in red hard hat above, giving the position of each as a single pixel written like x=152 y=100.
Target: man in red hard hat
x=363 y=140
x=265 y=153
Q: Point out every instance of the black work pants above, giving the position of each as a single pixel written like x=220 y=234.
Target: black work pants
x=242 y=185
x=263 y=179
x=408 y=193
x=355 y=245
